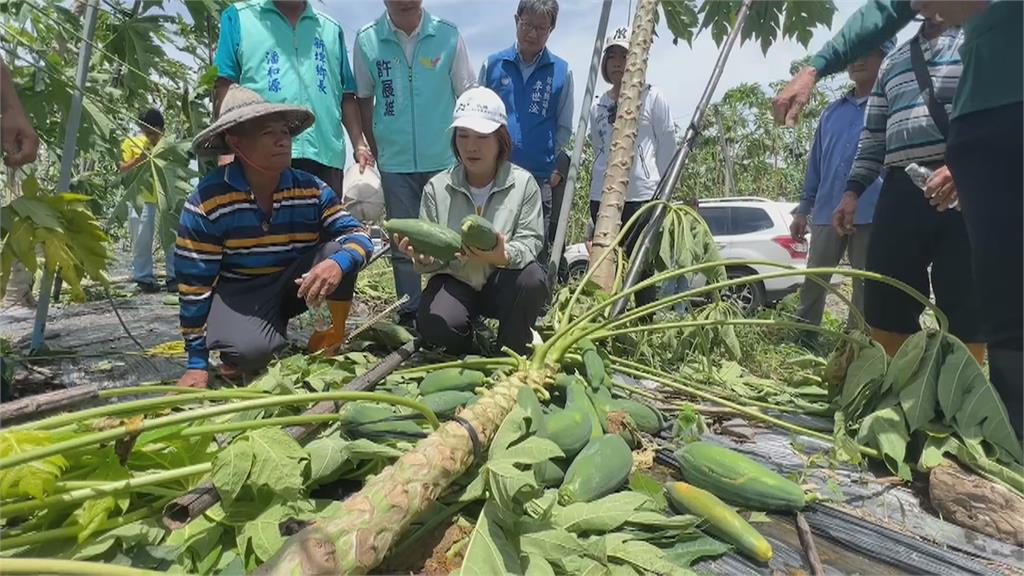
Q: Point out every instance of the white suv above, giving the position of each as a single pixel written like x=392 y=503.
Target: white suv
x=744 y=228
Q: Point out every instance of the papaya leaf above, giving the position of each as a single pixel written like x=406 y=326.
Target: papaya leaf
x=533 y=450
x=959 y=374
x=648 y=486
x=92 y=514
x=537 y=566
x=689 y=551
x=919 y=394
x=905 y=362
x=231 y=468
x=553 y=544
x=649 y=519
x=510 y=486
x=936 y=446
x=512 y=428
x=602 y=515
x=35 y=478
x=982 y=416
x=584 y=566
x=886 y=431
x=263 y=534
x=648 y=558
x=489 y=551
x=278 y=461
x=863 y=377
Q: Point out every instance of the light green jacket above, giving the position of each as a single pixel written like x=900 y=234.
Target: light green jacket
x=513 y=207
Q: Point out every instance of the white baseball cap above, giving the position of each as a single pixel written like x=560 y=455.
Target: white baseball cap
x=618 y=38
x=480 y=110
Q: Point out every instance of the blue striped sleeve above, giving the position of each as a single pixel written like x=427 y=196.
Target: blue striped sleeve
x=341 y=227
x=197 y=260
x=870 y=159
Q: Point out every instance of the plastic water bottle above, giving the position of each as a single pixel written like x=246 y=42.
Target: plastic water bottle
x=919 y=175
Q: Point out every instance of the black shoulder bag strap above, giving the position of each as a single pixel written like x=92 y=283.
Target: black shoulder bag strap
x=924 y=81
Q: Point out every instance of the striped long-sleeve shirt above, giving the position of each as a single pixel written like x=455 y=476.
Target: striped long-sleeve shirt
x=223 y=234
x=898 y=129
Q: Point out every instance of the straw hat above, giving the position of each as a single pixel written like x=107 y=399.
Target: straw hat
x=241 y=105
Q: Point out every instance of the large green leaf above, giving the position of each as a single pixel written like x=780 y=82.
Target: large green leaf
x=649 y=559
x=231 y=469
x=278 y=462
x=35 y=478
x=489 y=551
x=982 y=416
x=553 y=544
x=601 y=515
x=919 y=394
x=905 y=362
x=960 y=373
x=41 y=213
x=685 y=553
x=863 y=377
x=886 y=431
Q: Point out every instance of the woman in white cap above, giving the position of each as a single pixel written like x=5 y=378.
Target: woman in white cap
x=505 y=283
x=655 y=141
x=259 y=241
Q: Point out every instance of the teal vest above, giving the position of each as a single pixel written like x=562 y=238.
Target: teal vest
x=413 y=102
x=296 y=66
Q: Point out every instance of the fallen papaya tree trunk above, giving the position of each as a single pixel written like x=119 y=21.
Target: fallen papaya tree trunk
x=370 y=521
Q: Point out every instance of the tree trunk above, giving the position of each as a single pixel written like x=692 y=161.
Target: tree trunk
x=371 y=520
x=623 y=147
x=723 y=144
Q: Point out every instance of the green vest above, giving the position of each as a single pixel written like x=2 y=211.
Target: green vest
x=413 y=102
x=300 y=66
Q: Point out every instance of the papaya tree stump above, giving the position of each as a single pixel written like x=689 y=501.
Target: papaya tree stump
x=972 y=502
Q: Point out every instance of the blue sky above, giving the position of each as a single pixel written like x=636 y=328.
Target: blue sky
x=681 y=72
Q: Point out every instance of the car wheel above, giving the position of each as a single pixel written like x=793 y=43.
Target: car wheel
x=747 y=297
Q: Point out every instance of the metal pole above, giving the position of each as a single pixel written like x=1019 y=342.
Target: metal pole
x=558 y=242
x=67 y=158
x=667 y=185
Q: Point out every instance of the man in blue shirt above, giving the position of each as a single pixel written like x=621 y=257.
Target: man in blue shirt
x=536 y=87
x=832 y=154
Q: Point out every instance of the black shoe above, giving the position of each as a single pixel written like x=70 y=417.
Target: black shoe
x=148 y=287
x=407 y=320
x=171 y=286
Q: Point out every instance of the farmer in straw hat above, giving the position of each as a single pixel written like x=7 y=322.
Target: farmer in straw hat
x=260 y=241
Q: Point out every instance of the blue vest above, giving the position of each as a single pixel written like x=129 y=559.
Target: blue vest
x=413 y=102
x=532 y=106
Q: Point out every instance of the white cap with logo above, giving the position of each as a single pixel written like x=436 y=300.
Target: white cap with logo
x=618 y=38
x=479 y=109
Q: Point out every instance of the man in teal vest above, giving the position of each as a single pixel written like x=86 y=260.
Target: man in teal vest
x=536 y=87
x=410 y=66
x=288 y=52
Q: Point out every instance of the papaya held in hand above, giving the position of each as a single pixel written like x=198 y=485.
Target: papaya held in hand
x=426 y=238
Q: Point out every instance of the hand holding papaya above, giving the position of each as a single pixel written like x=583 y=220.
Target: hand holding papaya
x=495 y=256
x=406 y=247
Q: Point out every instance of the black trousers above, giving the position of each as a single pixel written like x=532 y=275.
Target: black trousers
x=650 y=294
x=248 y=319
x=329 y=174
x=984 y=152
x=913 y=242
x=513 y=297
